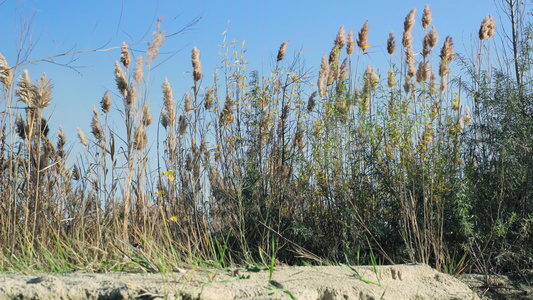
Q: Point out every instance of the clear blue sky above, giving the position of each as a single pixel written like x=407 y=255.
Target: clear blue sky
x=60 y=26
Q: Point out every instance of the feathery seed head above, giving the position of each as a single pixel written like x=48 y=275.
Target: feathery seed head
x=447 y=53
x=20 y=127
x=391 y=81
x=362 y=41
x=182 y=125
x=422 y=72
x=96 y=128
x=391 y=44
x=146 y=116
x=426 y=17
x=61 y=141
x=120 y=78
x=282 y=51
x=141 y=138
x=311 y=103
x=487 y=29
x=125 y=58
x=188 y=103
x=410 y=61
x=153 y=47
x=208 y=99
x=42 y=93
x=138 y=71
x=323 y=77
x=197 y=65
x=432 y=83
x=25 y=88
x=407 y=27
x=6 y=74
x=351 y=43
x=433 y=37
x=168 y=100
x=340 y=40
x=105 y=104
x=82 y=138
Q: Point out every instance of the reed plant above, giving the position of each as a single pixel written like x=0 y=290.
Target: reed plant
x=305 y=166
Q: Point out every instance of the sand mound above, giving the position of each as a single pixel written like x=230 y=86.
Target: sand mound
x=387 y=282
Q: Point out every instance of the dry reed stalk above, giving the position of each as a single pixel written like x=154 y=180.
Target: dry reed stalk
x=391 y=44
x=350 y=47
x=282 y=51
x=105 y=103
x=362 y=41
x=426 y=17
x=125 y=57
x=487 y=29
x=196 y=64
x=323 y=77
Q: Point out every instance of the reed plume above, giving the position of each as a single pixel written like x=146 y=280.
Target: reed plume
x=282 y=51
x=6 y=74
x=340 y=40
x=422 y=72
x=391 y=80
x=105 y=103
x=323 y=77
x=350 y=47
x=125 y=58
x=120 y=79
x=182 y=125
x=488 y=28
x=138 y=71
x=168 y=101
x=42 y=93
x=188 y=103
x=146 y=118
x=196 y=64
x=82 y=138
x=407 y=27
x=362 y=41
x=96 y=128
x=208 y=98
x=141 y=138
x=410 y=61
x=153 y=47
x=24 y=90
x=391 y=44
x=61 y=141
x=426 y=17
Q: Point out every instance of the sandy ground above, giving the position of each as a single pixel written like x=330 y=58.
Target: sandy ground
x=339 y=282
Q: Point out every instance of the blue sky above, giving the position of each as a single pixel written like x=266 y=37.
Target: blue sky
x=61 y=26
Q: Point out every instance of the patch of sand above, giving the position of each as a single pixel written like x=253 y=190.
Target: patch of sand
x=338 y=282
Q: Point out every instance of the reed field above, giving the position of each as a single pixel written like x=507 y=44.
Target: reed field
x=429 y=160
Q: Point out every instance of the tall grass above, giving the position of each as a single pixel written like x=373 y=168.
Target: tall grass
x=317 y=164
